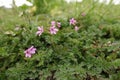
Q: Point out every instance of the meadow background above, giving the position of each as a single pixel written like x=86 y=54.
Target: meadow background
x=90 y=53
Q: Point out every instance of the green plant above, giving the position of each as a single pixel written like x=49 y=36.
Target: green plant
x=91 y=53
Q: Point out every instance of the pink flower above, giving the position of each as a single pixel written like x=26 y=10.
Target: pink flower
x=76 y=28
x=28 y=55
x=53 y=23
x=53 y=30
x=30 y=51
x=58 y=24
x=72 y=21
x=83 y=14
x=40 y=31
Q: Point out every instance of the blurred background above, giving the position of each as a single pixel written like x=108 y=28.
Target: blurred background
x=8 y=3
x=20 y=12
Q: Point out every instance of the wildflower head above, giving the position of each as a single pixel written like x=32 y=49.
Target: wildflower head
x=76 y=28
x=83 y=14
x=40 y=31
x=72 y=21
x=53 y=23
x=53 y=30
x=28 y=52
x=58 y=24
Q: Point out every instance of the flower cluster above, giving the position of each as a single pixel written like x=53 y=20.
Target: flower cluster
x=73 y=22
x=58 y=24
x=53 y=30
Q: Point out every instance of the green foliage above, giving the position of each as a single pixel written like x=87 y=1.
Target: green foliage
x=68 y=55
x=91 y=53
x=112 y=30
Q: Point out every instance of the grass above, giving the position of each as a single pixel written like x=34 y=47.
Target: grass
x=96 y=13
